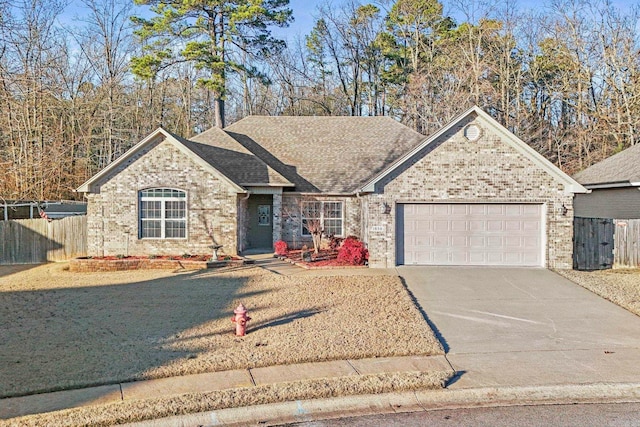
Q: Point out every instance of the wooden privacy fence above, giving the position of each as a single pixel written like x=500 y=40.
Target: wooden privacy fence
x=627 y=241
x=602 y=243
x=31 y=241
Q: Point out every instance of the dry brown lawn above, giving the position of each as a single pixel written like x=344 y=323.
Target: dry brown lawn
x=621 y=287
x=63 y=330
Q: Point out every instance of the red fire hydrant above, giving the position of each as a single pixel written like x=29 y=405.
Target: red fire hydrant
x=240 y=319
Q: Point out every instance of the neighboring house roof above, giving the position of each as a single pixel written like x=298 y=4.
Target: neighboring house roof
x=620 y=170
x=571 y=185
x=325 y=154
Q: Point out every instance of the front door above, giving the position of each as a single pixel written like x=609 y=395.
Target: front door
x=260 y=235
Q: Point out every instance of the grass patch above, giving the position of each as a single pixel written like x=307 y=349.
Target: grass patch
x=62 y=330
x=622 y=287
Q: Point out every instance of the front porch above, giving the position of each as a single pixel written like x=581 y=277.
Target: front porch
x=260 y=220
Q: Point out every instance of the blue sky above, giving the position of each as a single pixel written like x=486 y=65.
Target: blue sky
x=304 y=11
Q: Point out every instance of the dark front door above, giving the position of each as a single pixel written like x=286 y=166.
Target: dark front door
x=260 y=235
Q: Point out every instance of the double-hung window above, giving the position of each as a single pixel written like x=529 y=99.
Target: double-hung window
x=328 y=215
x=163 y=214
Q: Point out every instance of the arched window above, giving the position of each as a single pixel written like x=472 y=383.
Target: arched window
x=163 y=214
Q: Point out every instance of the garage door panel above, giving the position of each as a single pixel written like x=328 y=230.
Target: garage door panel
x=458 y=209
x=495 y=225
x=440 y=225
x=495 y=258
x=529 y=258
x=475 y=225
x=512 y=225
x=477 y=258
x=530 y=242
x=441 y=258
x=458 y=225
x=440 y=209
x=494 y=210
x=477 y=209
x=513 y=241
x=440 y=241
x=458 y=257
x=472 y=234
x=477 y=242
x=513 y=210
x=421 y=241
x=532 y=210
x=459 y=241
x=421 y=225
x=511 y=258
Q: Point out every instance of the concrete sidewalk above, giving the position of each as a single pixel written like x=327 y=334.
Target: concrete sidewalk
x=202 y=383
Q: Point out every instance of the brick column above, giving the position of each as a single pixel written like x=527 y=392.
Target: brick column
x=277 y=217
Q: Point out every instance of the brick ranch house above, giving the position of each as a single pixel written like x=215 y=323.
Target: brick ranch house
x=470 y=194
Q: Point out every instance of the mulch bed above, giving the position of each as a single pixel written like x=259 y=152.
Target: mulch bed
x=326 y=258
x=160 y=257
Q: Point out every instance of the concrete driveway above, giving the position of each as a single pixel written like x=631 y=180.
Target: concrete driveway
x=519 y=327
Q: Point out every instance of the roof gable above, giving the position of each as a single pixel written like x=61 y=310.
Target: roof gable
x=156 y=136
x=621 y=169
x=507 y=137
x=325 y=154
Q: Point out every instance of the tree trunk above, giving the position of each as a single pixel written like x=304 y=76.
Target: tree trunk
x=218 y=111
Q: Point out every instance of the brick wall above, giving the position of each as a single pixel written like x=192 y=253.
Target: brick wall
x=458 y=170
x=113 y=210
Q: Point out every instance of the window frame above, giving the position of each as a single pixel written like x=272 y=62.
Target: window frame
x=303 y=230
x=163 y=219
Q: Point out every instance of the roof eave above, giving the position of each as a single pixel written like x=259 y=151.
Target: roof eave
x=612 y=184
x=266 y=184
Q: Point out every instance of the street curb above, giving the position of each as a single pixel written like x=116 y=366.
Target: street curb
x=389 y=403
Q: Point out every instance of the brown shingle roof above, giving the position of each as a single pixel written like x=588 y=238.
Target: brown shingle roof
x=325 y=154
x=621 y=167
x=232 y=159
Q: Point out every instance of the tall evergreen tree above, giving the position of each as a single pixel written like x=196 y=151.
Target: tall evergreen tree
x=207 y=32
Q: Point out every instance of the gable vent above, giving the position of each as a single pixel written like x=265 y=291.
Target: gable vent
x=472 y=132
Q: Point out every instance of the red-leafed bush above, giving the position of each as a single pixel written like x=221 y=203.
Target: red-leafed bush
x=281 y=247
x=353 y=251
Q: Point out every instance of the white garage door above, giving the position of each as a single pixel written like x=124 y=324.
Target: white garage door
x=470 y=234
